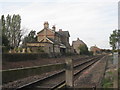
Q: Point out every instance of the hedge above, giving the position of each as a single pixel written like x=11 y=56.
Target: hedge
x=23 y=56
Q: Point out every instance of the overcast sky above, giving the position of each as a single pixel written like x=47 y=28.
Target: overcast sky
x=91 y=20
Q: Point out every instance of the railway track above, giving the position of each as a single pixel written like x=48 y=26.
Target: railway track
x=53 y=81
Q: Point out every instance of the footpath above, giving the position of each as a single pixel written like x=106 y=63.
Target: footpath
x=92 y=77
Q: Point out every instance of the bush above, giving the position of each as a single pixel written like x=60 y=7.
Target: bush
x=83 y=50
x=90 y=53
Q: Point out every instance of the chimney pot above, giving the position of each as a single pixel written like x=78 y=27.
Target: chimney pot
x=53 y=28
x=46 y=25
x=60 y=30
x=78 y=39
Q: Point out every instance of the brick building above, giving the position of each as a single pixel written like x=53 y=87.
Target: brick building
x=51 y=41
x=95 y=50
x=76 y=44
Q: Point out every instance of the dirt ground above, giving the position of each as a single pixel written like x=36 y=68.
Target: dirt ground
x=43 y=61
x=91 y=77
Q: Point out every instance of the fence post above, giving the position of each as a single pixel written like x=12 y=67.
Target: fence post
x=115 y=62
x=69 y=72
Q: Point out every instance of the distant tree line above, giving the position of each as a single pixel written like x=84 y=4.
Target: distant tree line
x=11 y=30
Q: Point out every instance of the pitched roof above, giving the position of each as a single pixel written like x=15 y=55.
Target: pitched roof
x=56 y=42
x=78 y=41
x=64 y=33
x=47 y=29
x=94 y=47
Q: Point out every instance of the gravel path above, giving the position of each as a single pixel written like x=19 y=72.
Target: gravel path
x=91 y=77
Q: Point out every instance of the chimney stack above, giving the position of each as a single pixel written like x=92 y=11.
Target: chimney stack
x=46 y=25
x=60 y=30
x=53 y=28
x=78 y=39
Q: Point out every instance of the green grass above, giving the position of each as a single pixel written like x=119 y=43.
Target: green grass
x=107 y=83
x=119 y=72
x=110 y=73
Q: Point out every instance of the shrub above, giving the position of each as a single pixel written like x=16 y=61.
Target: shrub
x=83 y=50
x=90 y=53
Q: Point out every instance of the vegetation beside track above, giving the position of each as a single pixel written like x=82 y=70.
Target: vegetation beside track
x=108 y=80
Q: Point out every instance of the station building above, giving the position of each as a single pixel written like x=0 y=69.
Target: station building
x=51 y=41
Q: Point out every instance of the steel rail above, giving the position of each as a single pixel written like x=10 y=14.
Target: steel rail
x=93 y=60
